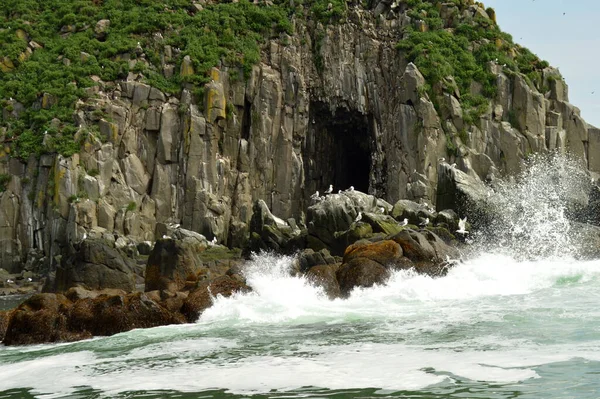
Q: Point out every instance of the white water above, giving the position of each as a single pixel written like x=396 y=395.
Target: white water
x=499 y=325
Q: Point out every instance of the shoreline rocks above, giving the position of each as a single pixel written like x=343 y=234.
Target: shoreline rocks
x=184 y=271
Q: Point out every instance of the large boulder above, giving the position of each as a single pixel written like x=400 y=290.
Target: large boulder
x=96 y=264
x=367 y=264
x=174 y=262
x=331 y=216
x=461 y=192
x=325 y=277
x=268 y=232
x=361 y=272
x=426 y=252
x=415 y=213
x=41 y=318
x=201 y=298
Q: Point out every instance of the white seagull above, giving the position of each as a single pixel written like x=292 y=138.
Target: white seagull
x=425 y=222
x=165 y=236
x=213 y=241
x=315 y=196
x=329 y=190
x=29 y=279
x=351 y=188
x=359 y=217
x=404 y=222
x=462 y=224
x=9 y=281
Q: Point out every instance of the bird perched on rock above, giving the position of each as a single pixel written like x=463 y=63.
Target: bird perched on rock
x=29 y=279
x=9 y=281
x=351 y=189
x=213 y=242
x=404 y=222
x=329 y=190
x=462 y=224
x=315 y=196
x=165 y=237
x=359 y=217
x=425 y=222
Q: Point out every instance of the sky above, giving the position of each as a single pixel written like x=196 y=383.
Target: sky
x=570 y=42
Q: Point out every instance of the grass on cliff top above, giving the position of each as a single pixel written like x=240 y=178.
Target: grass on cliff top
x=463 y=51
x=228 y=32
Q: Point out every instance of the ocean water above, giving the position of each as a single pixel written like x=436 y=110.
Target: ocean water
x=516 y=320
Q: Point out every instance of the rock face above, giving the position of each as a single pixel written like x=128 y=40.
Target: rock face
x=172 y=263
x=329 y=105
x=95 y=265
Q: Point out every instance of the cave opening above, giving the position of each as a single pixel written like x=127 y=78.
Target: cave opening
x=338 y=149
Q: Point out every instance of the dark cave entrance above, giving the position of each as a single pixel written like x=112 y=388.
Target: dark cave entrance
x=337 y=150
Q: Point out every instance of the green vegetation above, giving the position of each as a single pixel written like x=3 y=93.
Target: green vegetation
x=51 y=54
x=4 y=180
x=49 y=80
x=464 y=51
x=131 y=207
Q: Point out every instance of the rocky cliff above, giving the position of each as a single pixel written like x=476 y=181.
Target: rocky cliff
x=340 y=101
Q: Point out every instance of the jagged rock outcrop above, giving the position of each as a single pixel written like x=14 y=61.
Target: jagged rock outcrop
x=173 y=262
x=331 y=104
x=94 y=264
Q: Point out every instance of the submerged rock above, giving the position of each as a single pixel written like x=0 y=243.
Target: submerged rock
x=202 y=297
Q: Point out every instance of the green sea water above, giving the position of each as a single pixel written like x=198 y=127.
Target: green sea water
x=493 y=328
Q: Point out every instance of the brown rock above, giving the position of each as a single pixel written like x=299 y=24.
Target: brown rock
x=325 y=276
x=201 y=298
x=4 y=316
x=41 y=318
x=361 y=272
x=108 y=315
x=383 y=252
